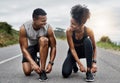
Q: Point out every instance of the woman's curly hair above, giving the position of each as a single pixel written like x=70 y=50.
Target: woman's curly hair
x=80 y=13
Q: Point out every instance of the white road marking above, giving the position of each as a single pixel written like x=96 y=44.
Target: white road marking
x=6 y=60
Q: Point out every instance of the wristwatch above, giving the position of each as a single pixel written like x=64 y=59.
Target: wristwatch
x=94 y=61
x=50 y=62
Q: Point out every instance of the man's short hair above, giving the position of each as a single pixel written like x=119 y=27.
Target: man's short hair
x=37 y=12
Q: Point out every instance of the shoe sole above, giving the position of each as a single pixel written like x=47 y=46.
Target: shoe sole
x=89 y=80
x=43 y=80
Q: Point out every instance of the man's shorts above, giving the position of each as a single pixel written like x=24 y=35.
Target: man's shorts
x=33 y=52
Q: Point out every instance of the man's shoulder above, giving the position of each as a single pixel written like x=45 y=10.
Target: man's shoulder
x=48 y=27
x=28 y=22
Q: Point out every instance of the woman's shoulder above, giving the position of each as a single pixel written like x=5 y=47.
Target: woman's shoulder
x=89 y=31
x=68 y=31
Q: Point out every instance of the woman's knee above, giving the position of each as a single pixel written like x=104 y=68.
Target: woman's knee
x=88 y=43
x=66 y=73
x=66 y=68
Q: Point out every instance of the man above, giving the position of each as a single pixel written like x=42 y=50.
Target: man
x=37 y=36
x=81 y=43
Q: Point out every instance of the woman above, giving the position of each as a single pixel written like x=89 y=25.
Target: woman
x=81 y=43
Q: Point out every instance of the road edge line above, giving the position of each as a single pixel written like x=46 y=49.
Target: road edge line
x=9 y=59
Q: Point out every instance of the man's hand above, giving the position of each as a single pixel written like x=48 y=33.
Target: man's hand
x=94 y=68
x=82 y=68
x=49 y=68
x=36 y=68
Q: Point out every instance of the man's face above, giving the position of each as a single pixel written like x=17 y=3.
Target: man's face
x=40 y=22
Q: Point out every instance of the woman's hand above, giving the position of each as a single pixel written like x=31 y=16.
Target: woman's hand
x=82 y=68
x=94 y=68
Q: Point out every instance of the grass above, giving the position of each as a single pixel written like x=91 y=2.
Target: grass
x=61 y=38
x=12 y=37
x=108 y=46
x=7 y=38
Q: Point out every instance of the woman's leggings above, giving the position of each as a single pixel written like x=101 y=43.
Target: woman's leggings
x=85 y=51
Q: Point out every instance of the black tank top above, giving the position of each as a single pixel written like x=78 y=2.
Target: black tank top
x=79 y=42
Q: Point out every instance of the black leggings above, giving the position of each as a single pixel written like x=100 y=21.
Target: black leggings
x=85 y=51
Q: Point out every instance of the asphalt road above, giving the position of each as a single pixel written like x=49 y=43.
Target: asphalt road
x=11 y=67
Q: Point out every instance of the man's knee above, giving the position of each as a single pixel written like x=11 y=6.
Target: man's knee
x=43 y=41
x=27 y=69
x=27 y=73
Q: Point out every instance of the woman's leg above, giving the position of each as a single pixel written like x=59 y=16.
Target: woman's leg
x=68 y=65
x=75 y=68
x=89 y=54
x=88 y=49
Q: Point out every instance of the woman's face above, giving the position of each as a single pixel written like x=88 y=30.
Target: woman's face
x=74 y=25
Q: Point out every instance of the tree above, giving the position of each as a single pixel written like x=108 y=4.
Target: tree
x=105 y=39
x=60 y=33
x=4 y=26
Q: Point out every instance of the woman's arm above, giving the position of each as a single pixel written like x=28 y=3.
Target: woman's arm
x=71 y=46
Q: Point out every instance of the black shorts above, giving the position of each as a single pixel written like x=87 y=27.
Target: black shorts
x=33 y=52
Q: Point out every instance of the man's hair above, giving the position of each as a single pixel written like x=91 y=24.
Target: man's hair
x=37 y=12
x=80 y=13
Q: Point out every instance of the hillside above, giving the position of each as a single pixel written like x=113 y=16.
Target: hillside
x=8 y=36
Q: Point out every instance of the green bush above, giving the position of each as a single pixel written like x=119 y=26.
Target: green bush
x=4 y=26
x=105 y=39
x=8 y=36
x=106 y=43
x=60 y=33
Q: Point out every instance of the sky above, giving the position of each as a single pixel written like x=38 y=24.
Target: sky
x=104 y=18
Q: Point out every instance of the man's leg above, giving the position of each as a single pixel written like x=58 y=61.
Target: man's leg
x=43 y=51
x=43 y=44
x=68 y=65
x=27 y=68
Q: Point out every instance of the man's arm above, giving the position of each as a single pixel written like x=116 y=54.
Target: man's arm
x=52 y=41
x=24 y=45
